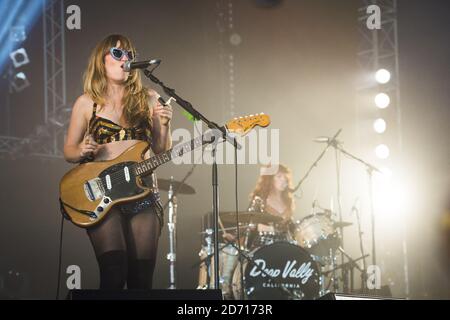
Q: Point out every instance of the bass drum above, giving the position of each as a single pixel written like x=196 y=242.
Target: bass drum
x=290 y=274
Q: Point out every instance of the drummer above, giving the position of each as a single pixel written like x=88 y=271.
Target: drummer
x=273 y=195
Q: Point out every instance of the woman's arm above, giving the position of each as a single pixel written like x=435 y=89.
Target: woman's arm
x=76 y=147
x=161 y=135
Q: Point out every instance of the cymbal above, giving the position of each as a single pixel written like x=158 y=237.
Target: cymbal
x=180 y=188
x=342 y=224
x=249 y=217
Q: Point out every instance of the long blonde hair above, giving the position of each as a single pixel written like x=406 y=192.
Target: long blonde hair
x=136 y=98
x=264 y=186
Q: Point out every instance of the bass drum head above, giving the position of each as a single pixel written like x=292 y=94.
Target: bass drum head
x=292 y=274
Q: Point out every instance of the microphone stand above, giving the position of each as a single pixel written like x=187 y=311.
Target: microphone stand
x=316 y=162
x=198 y=116
x=370 y=170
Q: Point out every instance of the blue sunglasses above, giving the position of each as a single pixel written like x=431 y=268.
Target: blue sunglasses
x=117 y=53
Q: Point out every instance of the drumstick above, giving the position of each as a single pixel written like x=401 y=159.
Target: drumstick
x=222 y=228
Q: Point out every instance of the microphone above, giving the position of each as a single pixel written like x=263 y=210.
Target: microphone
x=329 y=140
x=322 y=139
x=128 y=65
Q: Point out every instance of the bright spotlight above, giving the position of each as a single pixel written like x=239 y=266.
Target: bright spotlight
x=379 y=125
x=382 y=151
x=382 y=100
x=382 y=76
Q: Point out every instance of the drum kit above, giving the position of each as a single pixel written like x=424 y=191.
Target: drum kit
x=288 y=263
x=294 y=260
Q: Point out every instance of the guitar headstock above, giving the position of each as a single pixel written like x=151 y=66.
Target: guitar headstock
x=243 y=125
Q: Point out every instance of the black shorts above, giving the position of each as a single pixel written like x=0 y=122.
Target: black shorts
x=151 y=200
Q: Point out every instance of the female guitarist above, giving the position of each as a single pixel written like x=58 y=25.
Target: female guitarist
x=115 y=112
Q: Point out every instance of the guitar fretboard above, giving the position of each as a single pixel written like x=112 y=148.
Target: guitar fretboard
x=152 y=163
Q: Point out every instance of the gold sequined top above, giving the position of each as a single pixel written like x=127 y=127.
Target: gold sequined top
x=104 y=130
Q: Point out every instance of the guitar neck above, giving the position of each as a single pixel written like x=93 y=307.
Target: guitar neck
x=147 y=166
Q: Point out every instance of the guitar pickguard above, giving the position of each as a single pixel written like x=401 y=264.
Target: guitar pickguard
x=119 y=181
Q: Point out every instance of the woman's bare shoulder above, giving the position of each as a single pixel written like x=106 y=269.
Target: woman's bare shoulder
x=83 y=104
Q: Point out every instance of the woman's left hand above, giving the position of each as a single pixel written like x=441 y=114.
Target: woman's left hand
x=163 y=114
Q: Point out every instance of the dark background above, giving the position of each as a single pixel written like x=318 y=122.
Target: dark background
x=297 y=63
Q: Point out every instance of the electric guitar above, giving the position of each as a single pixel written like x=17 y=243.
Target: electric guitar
x=90 y=190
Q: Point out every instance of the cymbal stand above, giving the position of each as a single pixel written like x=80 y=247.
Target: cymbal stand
x=172 y=204
x=172 y=256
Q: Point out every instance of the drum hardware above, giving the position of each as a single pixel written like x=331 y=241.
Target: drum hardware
x=350 y=265
x=171 y=256
x=174 y=188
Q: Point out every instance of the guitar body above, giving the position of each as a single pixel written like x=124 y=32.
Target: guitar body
x=90 y=190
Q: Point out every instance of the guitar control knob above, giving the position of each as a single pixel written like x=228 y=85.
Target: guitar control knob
x=106 y=200
x=100 y=209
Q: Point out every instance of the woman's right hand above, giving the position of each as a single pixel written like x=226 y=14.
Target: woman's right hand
x=88 y=147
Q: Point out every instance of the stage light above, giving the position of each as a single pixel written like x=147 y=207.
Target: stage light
x=379 y=125
x=14 y=15
x=20 y=82
x=19 y=57
x=17 y=34
x=382 y=100
x=382 y=76
x=382 y=151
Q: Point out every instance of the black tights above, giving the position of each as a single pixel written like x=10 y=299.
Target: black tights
x=126 y=246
